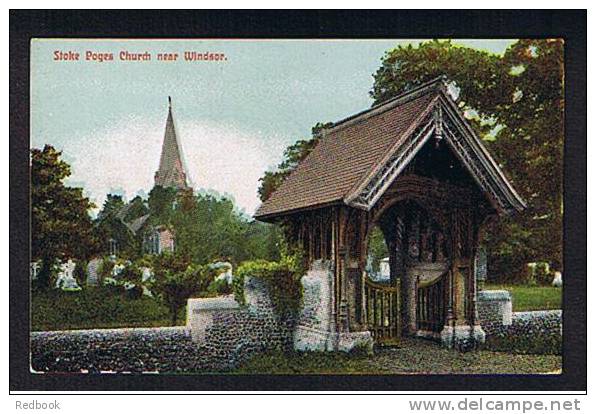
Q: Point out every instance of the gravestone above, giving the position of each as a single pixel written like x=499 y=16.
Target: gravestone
x=147 y=276
x=92 y=271
x=558 y=279
x=66 y=280
x=226 y=273
x=35 y=266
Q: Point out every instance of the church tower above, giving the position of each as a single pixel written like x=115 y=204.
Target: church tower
x=171 y=168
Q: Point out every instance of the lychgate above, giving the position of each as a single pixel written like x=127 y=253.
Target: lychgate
x=413 y=167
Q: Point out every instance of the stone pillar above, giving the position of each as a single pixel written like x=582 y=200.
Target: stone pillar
x=315 y=330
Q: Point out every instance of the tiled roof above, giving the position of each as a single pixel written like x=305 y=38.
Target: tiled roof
x=346 y=153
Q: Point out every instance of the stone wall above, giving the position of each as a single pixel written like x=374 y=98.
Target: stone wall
x=166 y=349
x=220 y=334
x=494 y=310
x=227 y=333
x=538 y=332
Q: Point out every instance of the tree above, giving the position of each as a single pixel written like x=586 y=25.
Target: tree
x=176 y=280
x=292 y=157
x=161 y=203
x=111 y=205
x=515 y=102
x=530 y=146
x=209 y=228
x=61 y=226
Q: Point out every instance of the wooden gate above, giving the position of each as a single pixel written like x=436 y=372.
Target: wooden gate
x=382 y=310
x=430 y=305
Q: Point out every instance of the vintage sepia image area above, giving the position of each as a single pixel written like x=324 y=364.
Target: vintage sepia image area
x=315 y=206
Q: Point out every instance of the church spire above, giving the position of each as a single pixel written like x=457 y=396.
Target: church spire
x=171 y=169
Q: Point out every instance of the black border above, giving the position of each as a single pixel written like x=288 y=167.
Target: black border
x=570 y=25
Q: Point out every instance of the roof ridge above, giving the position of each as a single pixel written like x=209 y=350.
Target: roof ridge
x=407 y=96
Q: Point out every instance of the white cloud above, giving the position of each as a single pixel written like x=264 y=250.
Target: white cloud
x=218 y=157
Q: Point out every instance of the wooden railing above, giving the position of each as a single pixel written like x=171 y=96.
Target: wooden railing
x=381 y=305
x=431 y=305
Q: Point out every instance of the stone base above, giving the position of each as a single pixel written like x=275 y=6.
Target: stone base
x=462 y=337
x=201 y=313
x=309 y=339
x=427 y=334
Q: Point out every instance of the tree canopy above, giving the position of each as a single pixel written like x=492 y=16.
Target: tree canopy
x=291 y=158
x=61 y=226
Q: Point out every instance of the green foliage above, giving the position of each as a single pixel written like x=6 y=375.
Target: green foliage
x=219 y=287
x=105 y=268
x=161 y=204
x=111 y=205
x=61 y=227
x=542 y=274
x=172 y=262
x=131 y=273
x=80 y=272
x=209 y=228
x=137 y=208
x=93 y=307
x=516 y=103
x=377 y=249
x=292 y=157
x=282 y=280
x=176 y=280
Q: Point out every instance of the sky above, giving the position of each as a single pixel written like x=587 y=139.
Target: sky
x=233 y=117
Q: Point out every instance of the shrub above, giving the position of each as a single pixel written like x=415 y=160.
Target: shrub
x=281 y=278
x=80 y=272
x=543 y=273
x=131 y=273
x=174 y=287
x=219 y=287
x=105 y=268
x=134 y=292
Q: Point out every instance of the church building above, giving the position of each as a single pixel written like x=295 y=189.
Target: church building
x=170 y=174
x=132 y=229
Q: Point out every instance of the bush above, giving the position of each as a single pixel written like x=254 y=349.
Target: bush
x=80 y=272
x=131 y=273
x=174 y=287
x=105 y=268
x=135 y=292
x=543 y=274
x=93 y=307
x=281 y=278
x=219 y=287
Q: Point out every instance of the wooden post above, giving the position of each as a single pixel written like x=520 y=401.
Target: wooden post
x=344 y=252
x=335 y=266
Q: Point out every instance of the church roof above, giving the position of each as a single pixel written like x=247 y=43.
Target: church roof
x=171 y=167
x=358 y=157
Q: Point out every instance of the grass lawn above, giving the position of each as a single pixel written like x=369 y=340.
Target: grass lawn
x=529 y=298
x=413 y=356
x=95 y=308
